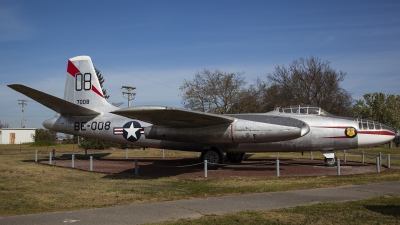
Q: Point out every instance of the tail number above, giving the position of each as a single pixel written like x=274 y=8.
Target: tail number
x=81 y=126
x=82 y=101
x=83 y=82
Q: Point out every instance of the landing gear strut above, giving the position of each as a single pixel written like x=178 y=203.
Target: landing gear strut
x=330 y=158
x=330 y=161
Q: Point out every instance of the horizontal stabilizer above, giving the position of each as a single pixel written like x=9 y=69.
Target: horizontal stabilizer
x=173 y=117
x=57 y=104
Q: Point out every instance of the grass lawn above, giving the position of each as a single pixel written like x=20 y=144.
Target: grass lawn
x=27 y=187
x=381 y=210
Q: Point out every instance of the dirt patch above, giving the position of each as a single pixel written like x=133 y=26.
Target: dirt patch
x=194 y=168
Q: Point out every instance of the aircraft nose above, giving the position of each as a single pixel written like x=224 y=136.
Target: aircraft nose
x=371 y=133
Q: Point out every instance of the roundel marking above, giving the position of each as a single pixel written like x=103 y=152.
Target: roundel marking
x=132 y=131
x=350 y=132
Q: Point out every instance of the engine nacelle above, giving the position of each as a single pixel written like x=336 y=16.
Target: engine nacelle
x=240 y=131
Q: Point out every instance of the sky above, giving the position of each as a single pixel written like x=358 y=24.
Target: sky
x=156 y=45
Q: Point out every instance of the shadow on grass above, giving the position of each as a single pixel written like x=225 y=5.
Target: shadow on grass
x=154 y=168
x=388 y=210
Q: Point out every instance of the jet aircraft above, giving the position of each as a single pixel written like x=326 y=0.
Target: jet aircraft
x=85 y=112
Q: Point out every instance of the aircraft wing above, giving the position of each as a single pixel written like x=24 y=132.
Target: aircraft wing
x=173 y=117
x=57 y=104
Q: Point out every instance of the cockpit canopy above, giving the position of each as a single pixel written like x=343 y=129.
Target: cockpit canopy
x=303 y=109
x=371 y=125
x=363 y=124
x=368 y=125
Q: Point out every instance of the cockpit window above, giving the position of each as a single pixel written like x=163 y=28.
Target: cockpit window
x=369 y=125
x=287 y=110
x=364 y=125
x=303 y=109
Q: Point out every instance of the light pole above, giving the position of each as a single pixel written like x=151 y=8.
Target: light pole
x=22 y=102
x=130 y=95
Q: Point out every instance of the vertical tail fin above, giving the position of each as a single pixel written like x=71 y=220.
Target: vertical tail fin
x=82 y=86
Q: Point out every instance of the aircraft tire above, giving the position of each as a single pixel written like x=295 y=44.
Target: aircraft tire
x=213 y=156
x=330 y=162
x=236 y=157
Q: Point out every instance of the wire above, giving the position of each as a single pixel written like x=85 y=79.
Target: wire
x=4 y=109
x=1 y=107
x=139 y=77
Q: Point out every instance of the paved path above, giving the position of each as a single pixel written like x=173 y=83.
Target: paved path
x=195 y=208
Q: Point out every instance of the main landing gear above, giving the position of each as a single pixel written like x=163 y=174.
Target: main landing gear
x=215 y=157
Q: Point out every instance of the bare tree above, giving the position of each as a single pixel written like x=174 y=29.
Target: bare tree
x=213 y=91
x=4 y=125
x=312 y=82
x=251 y=99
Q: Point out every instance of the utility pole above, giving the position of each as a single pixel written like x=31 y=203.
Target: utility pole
x=22 y=103
x=130 y=95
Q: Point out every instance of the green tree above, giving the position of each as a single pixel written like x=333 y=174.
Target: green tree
x=93 y=143
x=44 y=137
x=379 y=107
x=101 y=81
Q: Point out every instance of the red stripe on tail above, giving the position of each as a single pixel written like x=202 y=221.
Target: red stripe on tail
x=71 y=69
x=97 y=91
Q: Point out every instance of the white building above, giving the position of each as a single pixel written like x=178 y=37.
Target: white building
x=16 y=135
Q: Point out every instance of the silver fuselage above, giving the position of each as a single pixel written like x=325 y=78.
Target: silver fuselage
x=248 y=133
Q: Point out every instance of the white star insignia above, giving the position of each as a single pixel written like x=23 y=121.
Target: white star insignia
x=131 y=131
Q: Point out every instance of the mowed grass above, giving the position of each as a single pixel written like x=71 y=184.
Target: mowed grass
x=380 y=210
x=27 y=187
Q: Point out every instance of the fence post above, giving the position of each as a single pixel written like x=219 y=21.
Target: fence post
x=338 y=166
x=378 y=168
x=388 y=161
x=205 y=168
x=136 y=167
x=36 y=155
x=362 y=157
x=344 y=157
x=50 y=158
x=311 y=156
x=91 y=163
x=277 y=168
x=54 y=153
x=163 y=153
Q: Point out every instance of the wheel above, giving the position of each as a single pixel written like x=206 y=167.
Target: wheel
x=330 y=161
x=213 y=156
x=236 y=157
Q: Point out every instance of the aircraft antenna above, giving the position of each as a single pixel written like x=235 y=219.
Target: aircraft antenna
x=22 y=103
x=130 y=95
